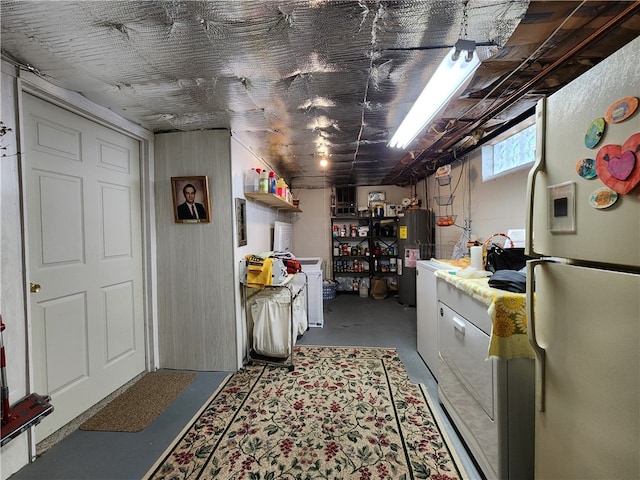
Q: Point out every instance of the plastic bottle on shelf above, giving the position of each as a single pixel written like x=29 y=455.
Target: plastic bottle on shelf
x=256 y=179
x=281 y=188
x=252 y=180
x=264 y=182
x=272 y=182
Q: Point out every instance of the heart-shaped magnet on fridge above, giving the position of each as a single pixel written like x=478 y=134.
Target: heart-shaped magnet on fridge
x=617 y=166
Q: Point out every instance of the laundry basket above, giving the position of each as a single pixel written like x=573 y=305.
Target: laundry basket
x=270 y=315
x=329 y=290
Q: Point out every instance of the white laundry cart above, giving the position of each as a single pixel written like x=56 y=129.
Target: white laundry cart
x=276 y=315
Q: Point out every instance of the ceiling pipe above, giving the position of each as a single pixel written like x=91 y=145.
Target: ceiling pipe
x=524 y=88
x=605 y=29
x=498 y=131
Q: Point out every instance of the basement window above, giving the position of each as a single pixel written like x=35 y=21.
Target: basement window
x=345 y=202
x=513 y=151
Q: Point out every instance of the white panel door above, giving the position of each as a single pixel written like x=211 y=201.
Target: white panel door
x=84 y=235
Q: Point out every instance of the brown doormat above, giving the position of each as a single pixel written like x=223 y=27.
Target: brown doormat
x=140 y=404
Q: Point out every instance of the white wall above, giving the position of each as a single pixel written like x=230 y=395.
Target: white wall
x=311 y=227
x=490 y=207
x=259 y=228
x=12 y=307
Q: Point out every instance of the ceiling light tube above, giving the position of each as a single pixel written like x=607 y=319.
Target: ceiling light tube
x=449 y=80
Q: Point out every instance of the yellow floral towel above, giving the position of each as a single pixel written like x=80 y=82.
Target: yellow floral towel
x=507 y=311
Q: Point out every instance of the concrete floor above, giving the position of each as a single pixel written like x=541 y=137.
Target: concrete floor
x=349 y=321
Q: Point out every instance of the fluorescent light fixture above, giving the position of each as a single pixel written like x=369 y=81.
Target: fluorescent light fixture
x=450 y=78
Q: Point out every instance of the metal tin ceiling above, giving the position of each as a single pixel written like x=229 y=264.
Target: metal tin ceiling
x=297 y=81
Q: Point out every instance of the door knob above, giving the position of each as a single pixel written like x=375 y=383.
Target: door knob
x=34 y=287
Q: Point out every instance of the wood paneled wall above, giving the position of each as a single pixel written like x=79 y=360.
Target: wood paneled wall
x=196 y=288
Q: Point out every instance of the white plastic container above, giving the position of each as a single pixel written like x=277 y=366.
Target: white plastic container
x=476 y=257
x=252 y=180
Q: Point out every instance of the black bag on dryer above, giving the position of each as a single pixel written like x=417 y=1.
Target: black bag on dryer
x=499 y=258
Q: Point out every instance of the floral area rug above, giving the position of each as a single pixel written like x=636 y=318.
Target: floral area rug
x=343 y=413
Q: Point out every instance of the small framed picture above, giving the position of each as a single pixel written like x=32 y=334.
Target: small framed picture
x=376 y=198
x=241 y=221
x=191 y=199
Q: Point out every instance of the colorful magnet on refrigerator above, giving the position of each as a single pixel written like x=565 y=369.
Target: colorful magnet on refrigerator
x=586 y=168
x=621 y=110
x=602 y=198
x=594 y=133
x=617 y=166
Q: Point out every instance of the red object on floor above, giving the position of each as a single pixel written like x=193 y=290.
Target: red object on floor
x=27 y=412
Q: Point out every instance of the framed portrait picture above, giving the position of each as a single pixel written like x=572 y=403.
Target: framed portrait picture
x=191 y=199
x=376 y=198
x=241 y=221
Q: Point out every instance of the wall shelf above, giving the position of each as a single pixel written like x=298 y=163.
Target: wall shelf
x=272 y=200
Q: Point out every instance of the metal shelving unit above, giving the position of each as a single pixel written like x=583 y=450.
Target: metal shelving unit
x=350 y=249
x=384 y=245
x=364 y=247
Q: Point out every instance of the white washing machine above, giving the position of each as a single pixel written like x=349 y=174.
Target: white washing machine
x=312 y=266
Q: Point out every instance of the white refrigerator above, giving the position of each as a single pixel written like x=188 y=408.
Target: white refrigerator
x=584 y=285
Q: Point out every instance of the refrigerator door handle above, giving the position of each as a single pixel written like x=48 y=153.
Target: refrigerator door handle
x=537 y=167
x=533 y=173
x=531 y=333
